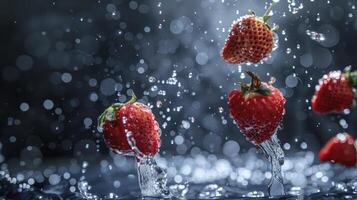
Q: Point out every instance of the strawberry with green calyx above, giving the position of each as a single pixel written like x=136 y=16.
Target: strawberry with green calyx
x=336 y=92
x=257 y=108
x=250 y=39
x=340 y=149
x=131 y=118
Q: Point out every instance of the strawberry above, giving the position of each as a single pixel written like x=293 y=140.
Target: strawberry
x=132 y=117
x=257 y=108
x=250 y=39
x=335 y=92
x=340 y=149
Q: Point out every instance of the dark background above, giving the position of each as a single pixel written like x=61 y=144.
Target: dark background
x=82 y=58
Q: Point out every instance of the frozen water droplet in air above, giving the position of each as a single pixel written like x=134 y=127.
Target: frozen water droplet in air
x=319 y=37
x=343 y=123
x=295 y=191
x=211 y=191
x=276 y=41
x=159 y=104
x=255 y=194
x=185 y=124
x=84 y=188
x=272 y=80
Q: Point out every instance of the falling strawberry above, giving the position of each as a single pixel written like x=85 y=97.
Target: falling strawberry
x=340 y=149
x=250 y=39
x=257 y=108
x=335 y=92
x=134 y=118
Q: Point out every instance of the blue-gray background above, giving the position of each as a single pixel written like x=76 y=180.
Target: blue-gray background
x=62 y=62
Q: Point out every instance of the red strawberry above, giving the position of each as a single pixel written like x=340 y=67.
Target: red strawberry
x=257 y=108
x=119 y=119
x=250 y=39
x=340 y=149
x=334 y=93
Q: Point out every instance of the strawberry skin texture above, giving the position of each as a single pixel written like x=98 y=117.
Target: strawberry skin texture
x=138 y=119
x=256 y=115
x=249 y=40
x=333 y=95
x=340 y=149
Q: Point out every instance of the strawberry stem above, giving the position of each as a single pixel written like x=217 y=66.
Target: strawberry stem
x=351 y=76
x=255 y=86
x=267 y=14
x=255 y=81
x=132 y=100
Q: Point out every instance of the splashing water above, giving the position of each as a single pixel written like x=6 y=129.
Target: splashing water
x=84 y=188
x=211 y=191
x=276 y=41
x=152 y=178
x=275 y=155
x=179 y=190
x=255 y=194
x=319 y=37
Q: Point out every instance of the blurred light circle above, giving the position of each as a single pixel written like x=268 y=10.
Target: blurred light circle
x=337 y=13
x=54 y=179
x=122 y=25
x=87 y=122
x=92 y=82
x=107 y=86
x=202 y=58
x=48 y=104
x=133 y=5
x=179 y=140
x=331 y=34
x=144 y=8
x=111 y=8
x=231 y=148
x=176 y=26
x=212 y=142
x=322 y=57
x=181 y=149
x=147 y=29
x=291 y=81
x=24 y=62
x=93 y=97
x=31 y=155
x=24 y=107
x=116 y=184
x=185 y=124
x=66 y=77
x=306 y=60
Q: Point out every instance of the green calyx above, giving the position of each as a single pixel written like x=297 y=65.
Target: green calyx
x=267 y=15
x=109 y=114
x=352 y=78
x=255 y=87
